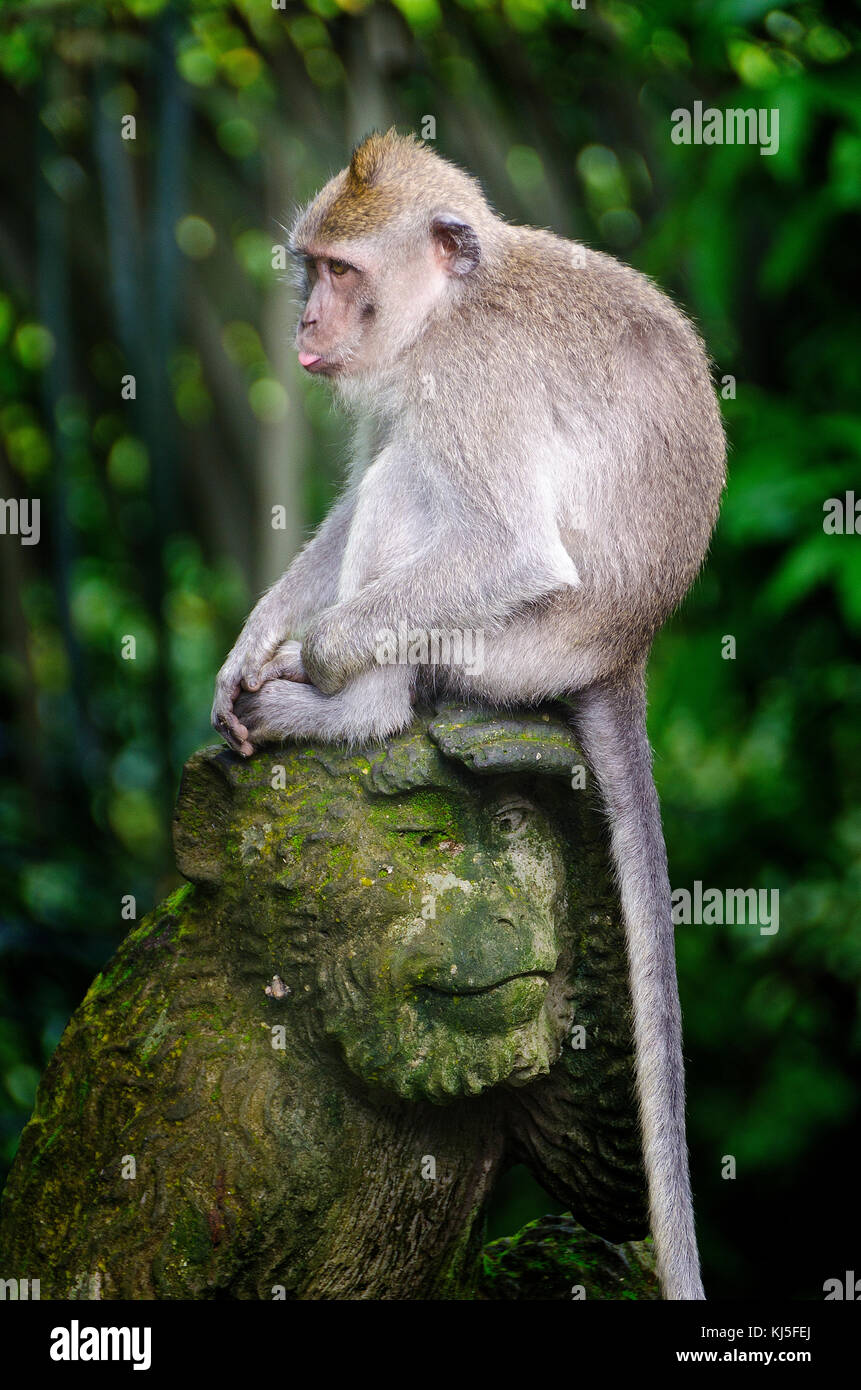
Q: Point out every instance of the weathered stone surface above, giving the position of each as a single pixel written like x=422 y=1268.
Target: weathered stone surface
x=554 y=1258
x=307 y=1068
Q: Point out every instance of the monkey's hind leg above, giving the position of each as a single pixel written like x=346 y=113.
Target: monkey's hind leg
x=610 y=718
x=375 y=705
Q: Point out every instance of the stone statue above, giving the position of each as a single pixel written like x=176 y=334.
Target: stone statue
x=393 y=973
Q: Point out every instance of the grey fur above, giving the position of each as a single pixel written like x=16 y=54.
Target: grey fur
x=545 y=463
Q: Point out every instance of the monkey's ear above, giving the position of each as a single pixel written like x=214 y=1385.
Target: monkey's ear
x=457 y=244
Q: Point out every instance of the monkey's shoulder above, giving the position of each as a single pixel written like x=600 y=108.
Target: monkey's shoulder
x=556 y=288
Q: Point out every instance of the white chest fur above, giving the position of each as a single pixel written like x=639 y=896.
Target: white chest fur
x=391 y=523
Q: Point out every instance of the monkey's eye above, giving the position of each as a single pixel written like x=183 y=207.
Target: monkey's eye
x=338 y=267
x=511 y=818
x=311 y=269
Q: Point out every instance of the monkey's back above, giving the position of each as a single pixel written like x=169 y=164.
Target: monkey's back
x=616 y=382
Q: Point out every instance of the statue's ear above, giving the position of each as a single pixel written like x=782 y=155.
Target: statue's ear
x=204 y=810
x=489 y=742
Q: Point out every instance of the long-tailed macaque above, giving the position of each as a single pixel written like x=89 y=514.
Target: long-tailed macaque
x=541 y=464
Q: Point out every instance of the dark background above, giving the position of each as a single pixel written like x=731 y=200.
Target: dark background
x=154 y=256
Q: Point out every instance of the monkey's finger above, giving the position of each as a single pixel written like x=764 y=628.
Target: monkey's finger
x=234 y=724
x=287 y=668
x=232 y=729
x=233 y=743
x=222 y=708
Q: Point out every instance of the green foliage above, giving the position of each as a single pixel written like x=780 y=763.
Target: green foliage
x=152 y=257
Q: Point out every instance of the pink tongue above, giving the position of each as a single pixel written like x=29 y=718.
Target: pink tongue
x=307 y=359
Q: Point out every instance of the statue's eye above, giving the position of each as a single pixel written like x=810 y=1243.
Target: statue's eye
x=511 y=818
x=338 y=267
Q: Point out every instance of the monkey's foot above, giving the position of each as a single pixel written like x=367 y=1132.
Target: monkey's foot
x=375 y=705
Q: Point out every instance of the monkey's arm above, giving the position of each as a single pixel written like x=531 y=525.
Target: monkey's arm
x=307 y=587
x=469 y=574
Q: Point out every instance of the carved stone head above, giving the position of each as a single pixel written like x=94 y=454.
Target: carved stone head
x=389 y=959
x=440 y=912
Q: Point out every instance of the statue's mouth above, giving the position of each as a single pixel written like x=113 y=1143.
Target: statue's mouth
x=460 y=991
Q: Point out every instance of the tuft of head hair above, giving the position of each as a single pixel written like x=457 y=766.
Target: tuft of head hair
x=380 y=153
x=389 y=176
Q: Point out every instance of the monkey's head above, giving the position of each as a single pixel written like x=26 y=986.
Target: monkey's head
x=385 y=243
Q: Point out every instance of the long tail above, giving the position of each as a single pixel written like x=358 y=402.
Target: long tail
x=611 y=722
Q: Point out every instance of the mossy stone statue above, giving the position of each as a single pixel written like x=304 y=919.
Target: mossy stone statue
x=393 y=973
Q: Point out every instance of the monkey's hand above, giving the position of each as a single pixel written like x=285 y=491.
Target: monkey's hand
x=242 y=672
x=252 y=708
